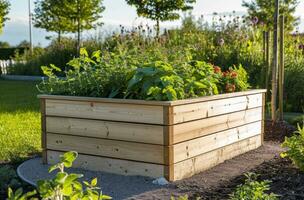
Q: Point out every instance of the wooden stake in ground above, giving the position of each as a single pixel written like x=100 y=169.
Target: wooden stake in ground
x=268 y=71
x=281 y=69
x=275 y=64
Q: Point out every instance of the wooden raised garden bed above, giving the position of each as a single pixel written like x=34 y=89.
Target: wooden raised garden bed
x=172 y=139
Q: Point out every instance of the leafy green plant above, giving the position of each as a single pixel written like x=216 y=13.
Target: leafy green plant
x=122 y=76
x=63 y=186
x=253 y=190
x=295 y=145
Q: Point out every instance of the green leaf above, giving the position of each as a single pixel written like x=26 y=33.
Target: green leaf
x=94 y=182
x=60 y=177
x=83 y=52
x=105 y=197
x=68 y=158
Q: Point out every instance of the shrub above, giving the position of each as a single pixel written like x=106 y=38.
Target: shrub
x=253 y=190
x=8 y=178
x=295 y=145
x=120 y=76
x=63 y=186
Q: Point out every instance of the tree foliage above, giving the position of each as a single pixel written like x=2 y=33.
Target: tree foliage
x=68 y=16
x=264 y=11
x=4 y=9
x=161 y=10
x=50 y=15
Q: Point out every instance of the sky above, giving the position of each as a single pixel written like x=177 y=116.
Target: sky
x=117 y=12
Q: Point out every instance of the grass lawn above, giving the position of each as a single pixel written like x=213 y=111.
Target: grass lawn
x=19 y=120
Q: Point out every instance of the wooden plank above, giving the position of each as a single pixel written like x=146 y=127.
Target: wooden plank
x=192 y=148
x=199 y=128
x=108 y=148
x=159 y=103
x=106 y=111
x=208 y=160
x=202 y=110
x=43 y=131
x=263 y=118
x=153 y=134
x=110 y=165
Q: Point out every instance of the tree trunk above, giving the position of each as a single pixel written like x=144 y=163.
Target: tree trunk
x=78 y=28
x=59 y=37
x=157 y=28
x=281 y=70
x=275 y=64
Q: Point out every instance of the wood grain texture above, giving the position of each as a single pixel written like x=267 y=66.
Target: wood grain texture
x=110 y=165
x=105 y=111
x=145 y=102
x=202 y=110
x=144 y=133
x=208 y=160
x=192 y=148
x=199 y=128
x=43 y=131
x=107 y=148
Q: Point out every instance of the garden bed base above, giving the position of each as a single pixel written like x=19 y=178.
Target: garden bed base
x=171 y=139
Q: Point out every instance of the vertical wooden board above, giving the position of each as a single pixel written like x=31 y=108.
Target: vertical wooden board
x=43 y=131
x=115 y=166
x=144 y=133
x=106 y=111
x=192 y=148
x=107 y=148
x=208 y=160
x=255 y=100
x=195 y=111
x=199 y=128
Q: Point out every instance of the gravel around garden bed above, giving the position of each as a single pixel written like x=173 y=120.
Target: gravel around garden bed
x=136 y=187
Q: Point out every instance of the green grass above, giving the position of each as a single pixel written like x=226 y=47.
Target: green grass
x=19 y=120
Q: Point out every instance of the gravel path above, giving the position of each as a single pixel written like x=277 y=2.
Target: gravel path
x=136 y=187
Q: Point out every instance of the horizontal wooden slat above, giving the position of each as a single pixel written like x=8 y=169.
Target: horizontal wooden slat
x=144 y=133
x=110 y=165
x=202 y=110
x=105 y=111
x=107 y=148
x=192 y=148
x=199 y=128
x=159 y=103
x=208 y=160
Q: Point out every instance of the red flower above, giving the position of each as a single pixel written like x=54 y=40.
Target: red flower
x=225 y=74
x=233 y=74
x=217 y=69
x=230 y=87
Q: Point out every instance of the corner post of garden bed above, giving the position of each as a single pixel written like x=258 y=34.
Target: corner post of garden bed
x=43 y=130
x=263 y=116
x=168 y=141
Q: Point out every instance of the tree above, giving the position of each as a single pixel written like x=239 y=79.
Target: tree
x=264 y=11
x=84 y=15
x=50 y=15
x=4 y=9
x=161 y=10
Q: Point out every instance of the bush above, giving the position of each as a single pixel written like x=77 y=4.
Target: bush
x=8 y=178
x=63 y=185
x=253 y=190
x=119 y=76
x=295 y=145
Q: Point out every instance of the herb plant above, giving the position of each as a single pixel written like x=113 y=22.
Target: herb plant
x=295 y=146
x=253 y=190
x=121 y=76
x=63 y=186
